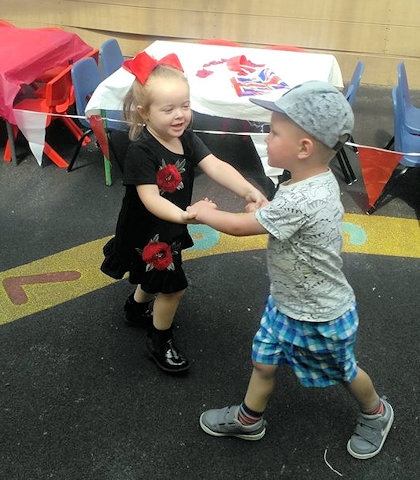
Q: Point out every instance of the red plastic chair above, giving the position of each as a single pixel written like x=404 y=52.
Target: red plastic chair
x=51 y=73
x=54 y=97
x=53 y=94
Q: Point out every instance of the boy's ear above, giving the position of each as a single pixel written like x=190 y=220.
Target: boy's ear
x=306 y=147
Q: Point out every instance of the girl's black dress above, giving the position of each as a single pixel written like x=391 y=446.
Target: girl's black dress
x=144 y=245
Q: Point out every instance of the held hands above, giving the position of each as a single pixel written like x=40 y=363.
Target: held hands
x=195 y=211
x=255 y=200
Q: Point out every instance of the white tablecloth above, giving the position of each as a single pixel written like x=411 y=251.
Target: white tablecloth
x=215 y=95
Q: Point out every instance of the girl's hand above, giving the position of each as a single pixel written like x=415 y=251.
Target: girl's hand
x=255 y=200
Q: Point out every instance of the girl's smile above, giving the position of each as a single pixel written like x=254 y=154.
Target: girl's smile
x=169 y=113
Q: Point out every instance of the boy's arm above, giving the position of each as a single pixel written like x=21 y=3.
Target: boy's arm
x=237 y=224
x=224 y=174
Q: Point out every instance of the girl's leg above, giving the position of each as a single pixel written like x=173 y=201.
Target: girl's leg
x=138 y=310
x=160 y=343
x=140 y=296
x=164 y=309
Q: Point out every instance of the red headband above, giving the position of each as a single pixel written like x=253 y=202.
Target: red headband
x=143 y=64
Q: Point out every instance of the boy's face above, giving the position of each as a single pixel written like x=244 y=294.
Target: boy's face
x=283 y=142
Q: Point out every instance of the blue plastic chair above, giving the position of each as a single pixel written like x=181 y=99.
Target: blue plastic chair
x=354 y=84
x=111 y=57
x=411 y=113
x=406 y=139
x=406 y=127
x=86 y=76
x=350 y=95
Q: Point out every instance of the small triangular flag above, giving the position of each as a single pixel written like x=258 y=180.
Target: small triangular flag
x=97 y=124
x=32 y=125
x=377 y=166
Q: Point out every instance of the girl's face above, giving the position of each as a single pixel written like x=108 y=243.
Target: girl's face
x=283 y=142
x=169 y=113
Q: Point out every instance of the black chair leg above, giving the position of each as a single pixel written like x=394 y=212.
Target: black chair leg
x=346 y=160
x=353 y=148
x=390 y=144
x=78 y=147
x=343 y=168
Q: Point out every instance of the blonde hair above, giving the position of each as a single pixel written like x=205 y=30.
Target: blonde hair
x=141 y=95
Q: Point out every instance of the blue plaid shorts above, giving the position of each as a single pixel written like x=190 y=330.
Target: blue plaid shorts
x=320 y=354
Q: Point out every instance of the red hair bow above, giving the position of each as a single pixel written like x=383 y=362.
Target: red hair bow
x=143 y=64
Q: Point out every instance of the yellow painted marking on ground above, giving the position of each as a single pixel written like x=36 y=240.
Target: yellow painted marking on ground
x=381 y=236
x=399 y=237
x=84 y=258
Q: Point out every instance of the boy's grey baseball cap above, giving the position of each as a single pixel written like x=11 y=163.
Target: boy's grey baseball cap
x=319 y=109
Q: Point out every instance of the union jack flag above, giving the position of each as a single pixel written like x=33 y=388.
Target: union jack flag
x=265 y=80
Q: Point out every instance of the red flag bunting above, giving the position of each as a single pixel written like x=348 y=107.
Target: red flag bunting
x=97 y=124
x=377 y=166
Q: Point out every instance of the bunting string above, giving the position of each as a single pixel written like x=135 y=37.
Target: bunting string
x=217 y=132
x=377 y=164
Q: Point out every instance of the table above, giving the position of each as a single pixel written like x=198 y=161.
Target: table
x=26 y=53
x=215 y=94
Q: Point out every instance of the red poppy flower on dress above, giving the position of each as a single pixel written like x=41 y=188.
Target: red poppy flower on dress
x=168 y=178
x=157 y=255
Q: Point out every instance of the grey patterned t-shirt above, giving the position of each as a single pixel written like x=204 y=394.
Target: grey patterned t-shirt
x=304 y=222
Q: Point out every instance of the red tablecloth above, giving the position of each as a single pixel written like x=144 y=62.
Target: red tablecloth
x=26 y=53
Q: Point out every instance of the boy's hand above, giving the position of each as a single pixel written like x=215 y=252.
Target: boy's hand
x=194 y=211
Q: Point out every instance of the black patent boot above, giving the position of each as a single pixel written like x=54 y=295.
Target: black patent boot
x=138 y=314
x=162 y=350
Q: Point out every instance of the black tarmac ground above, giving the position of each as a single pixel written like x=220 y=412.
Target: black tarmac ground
x=79 y=399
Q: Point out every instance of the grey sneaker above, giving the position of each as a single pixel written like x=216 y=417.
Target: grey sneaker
x=224 y=423
x=370 y=434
